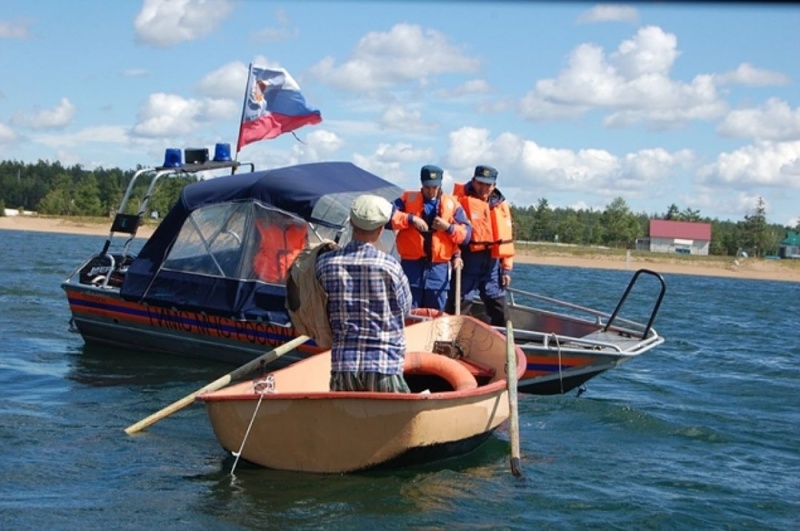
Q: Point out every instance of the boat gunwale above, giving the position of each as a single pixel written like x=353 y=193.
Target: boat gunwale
x=490 y=389
x=482 y=391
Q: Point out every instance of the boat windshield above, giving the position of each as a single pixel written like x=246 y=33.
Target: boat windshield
x=241 y=240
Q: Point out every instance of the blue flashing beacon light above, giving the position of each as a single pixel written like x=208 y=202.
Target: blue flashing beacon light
x=222 y=152
x=173 y=158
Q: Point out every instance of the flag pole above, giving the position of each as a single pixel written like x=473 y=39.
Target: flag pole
x=244 y=106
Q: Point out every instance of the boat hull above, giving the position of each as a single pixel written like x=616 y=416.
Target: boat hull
x=343 y=432
x=103 y=317
x=563 y=352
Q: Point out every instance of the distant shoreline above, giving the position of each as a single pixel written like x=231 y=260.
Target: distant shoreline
x=751 y=268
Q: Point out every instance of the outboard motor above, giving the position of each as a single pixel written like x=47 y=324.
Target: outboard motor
x=103 y=266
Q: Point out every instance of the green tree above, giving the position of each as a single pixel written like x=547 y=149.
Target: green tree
x=55 y=203
x=542 y=221
x=87 y=197
x=725 y=238
x=689 y=215
x=673 y=212
x=167 y=194
x=570 y=228
x=756 y=234
x=620 y=225
x=522 y=222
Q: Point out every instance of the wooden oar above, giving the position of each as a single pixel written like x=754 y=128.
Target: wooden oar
x=219 y=383
x=458 y=290
x=511 y=363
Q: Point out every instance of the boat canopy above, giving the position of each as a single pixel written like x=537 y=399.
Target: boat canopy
x=225 y=247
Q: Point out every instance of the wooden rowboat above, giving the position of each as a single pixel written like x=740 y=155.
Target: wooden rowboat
x=289 y=419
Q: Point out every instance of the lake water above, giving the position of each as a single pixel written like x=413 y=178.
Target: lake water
x=702 y=432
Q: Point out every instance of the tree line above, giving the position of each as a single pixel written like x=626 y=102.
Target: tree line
x=52 y=189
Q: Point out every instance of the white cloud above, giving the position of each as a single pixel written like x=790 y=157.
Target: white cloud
x=7 y=135
x=746 y=74
x=133 y=72
x=354 y=128
x=280 y=33
x=468 y=147
x=763 y=163
x=528 y=170
x=162 y=23
x=319 y=145
x=105 y=134
x=167 y=115
x=609 y=13
x=228 y=81
x=633 y=83
x=405 y=54
x=219 y=110
x=403 y=153
x=391 y=162
x=792 y=167
x=275 y=34
x=312 y=145
x=13 y=30
x=58 y=117
x=399 y=118
x=650 y=51
x=774 y=120
x=473 y=86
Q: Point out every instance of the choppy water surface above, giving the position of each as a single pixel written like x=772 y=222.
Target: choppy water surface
x=701 y=432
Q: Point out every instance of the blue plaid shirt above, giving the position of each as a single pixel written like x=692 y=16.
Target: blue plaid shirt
x=368 y=299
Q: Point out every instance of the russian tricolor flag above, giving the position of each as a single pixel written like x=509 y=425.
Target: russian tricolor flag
x=273 y=106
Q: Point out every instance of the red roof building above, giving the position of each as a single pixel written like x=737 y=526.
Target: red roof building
x=682 y=237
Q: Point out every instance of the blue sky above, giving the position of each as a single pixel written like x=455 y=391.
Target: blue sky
x=579 y=103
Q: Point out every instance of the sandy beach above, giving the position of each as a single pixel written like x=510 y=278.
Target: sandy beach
x=751 y=268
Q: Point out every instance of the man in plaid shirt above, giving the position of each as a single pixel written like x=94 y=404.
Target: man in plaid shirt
x=368 y=300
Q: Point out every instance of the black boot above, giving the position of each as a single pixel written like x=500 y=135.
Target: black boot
x=496 y=311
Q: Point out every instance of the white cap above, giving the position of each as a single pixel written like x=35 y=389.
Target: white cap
x=370 y=212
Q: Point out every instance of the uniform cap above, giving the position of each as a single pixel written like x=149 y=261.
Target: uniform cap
x=485 y=174
x=431 y=175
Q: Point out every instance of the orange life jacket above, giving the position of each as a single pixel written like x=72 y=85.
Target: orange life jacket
x=492 y=228
x=411 y=244
x=277 y=250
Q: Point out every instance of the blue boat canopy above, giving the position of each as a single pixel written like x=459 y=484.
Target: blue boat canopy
x=225 y=246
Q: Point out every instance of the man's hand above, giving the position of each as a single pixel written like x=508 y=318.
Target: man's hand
x=440 y=224
x=505 y=281
x=457 y=262
x=419 y=224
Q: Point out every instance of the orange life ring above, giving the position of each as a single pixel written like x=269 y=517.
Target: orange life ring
x=457 y=375
x=423 y=314
x=430 y=313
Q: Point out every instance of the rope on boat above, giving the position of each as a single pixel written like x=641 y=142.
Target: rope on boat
x=262 y=387
x=560 y=374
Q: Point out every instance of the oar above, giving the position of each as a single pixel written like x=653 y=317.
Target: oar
x=219 y=383
x=511 y=362
x=458 y=290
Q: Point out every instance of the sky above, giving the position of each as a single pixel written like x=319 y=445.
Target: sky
x=578 y=103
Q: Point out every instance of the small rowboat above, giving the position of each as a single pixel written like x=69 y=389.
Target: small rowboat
x=290 y=420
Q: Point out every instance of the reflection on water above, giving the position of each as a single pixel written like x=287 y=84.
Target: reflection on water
x=101 y=366
x=257 y=497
